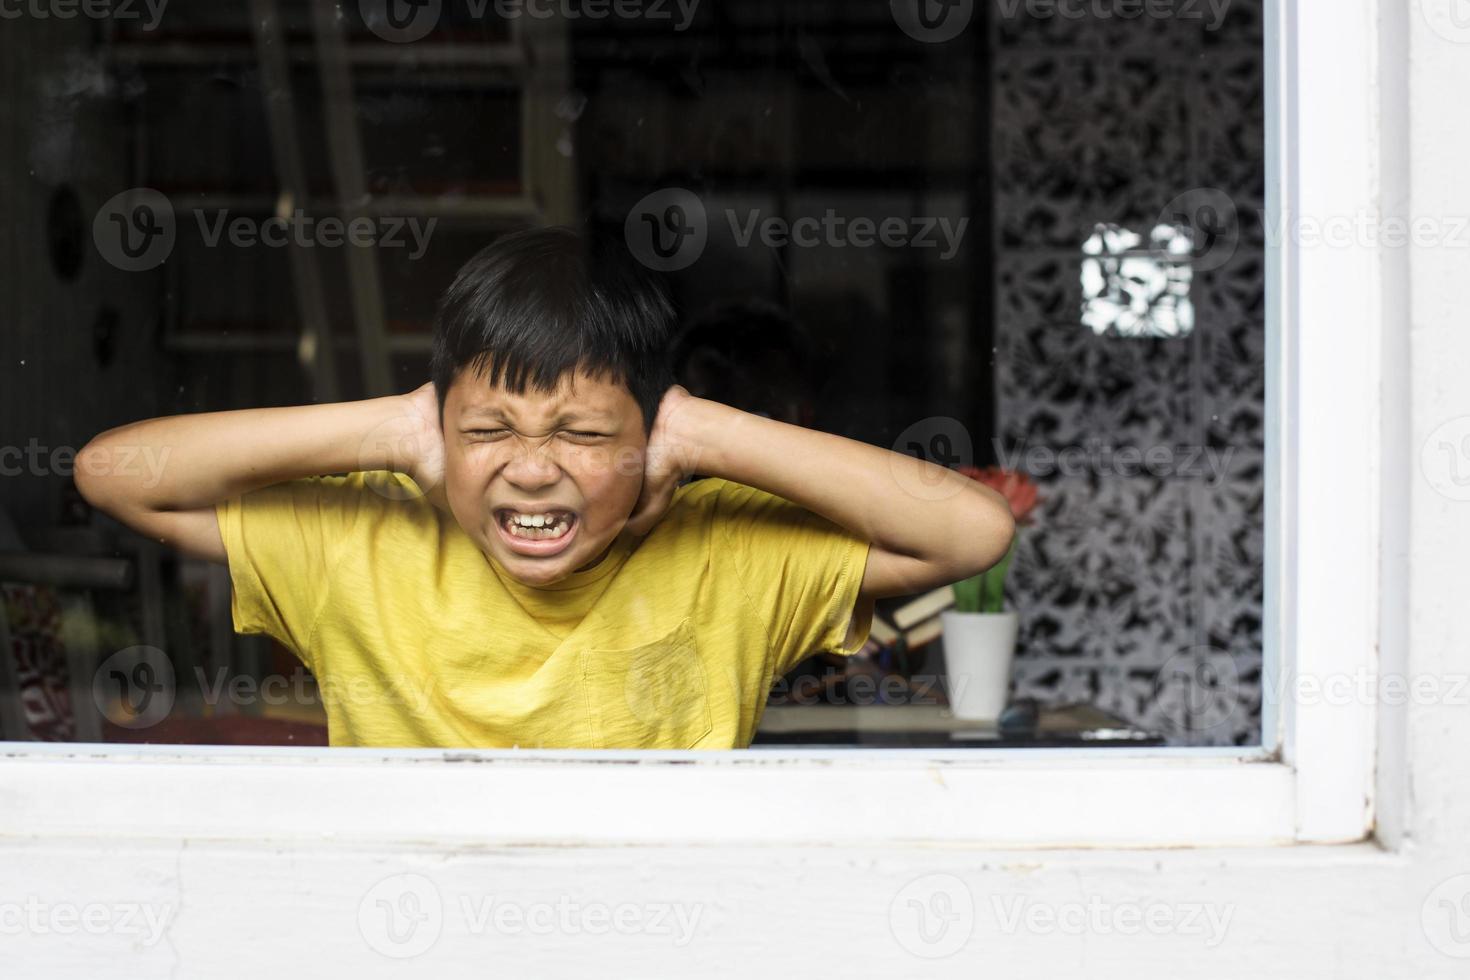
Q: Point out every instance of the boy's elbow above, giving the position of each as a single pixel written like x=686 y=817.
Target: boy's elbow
x=1006 y=537
x=990 y=537
x=91 y=472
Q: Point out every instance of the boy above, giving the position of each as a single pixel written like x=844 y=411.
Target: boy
x=511 y=560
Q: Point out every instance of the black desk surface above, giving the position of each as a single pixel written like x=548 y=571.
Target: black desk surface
x=932 y=726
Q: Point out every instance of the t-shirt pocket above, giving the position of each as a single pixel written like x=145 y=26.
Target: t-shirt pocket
x=652 y=696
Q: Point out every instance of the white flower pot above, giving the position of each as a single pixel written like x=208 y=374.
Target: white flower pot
x=978 y=651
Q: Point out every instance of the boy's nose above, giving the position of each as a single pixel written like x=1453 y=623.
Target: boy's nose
x=532 y=469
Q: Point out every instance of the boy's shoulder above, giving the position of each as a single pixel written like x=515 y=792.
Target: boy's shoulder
x=367 y=503
x=711 y=496
x=710 y=502
x=336 y=500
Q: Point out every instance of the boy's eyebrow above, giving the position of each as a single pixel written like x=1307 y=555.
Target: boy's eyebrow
x=482 y=412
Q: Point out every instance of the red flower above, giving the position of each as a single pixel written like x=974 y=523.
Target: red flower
x=1014 y=485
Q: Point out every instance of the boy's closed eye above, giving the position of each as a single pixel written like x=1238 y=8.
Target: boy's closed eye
x=576 y=435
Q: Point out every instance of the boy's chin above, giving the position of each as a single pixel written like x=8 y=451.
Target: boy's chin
x=535 y=571
x=542 y=572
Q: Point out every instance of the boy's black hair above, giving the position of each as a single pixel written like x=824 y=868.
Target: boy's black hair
x=537 y=304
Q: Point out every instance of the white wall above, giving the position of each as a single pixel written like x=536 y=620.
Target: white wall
x=250 y=909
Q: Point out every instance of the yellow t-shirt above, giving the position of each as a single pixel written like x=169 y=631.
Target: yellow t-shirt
x=417 y=639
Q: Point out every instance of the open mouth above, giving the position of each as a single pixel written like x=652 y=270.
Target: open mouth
x=537 y=533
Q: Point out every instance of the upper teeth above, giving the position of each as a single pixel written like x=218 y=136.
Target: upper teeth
x=533 y=520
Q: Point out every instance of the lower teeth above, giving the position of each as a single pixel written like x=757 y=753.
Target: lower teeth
x=538 y=533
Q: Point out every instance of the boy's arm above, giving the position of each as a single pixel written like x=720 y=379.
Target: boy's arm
x=163 y=477
x=926 y=525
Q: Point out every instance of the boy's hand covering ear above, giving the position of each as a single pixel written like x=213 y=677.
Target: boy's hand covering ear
x=423 y=444
x=667 y=462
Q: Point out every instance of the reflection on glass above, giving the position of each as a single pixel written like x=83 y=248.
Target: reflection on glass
x=1129 y=291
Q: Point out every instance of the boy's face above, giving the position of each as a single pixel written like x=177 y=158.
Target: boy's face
x=542 y=481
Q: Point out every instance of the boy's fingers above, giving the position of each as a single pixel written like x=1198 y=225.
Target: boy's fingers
x=641 y=522
x=649 y=509
x=635 y=519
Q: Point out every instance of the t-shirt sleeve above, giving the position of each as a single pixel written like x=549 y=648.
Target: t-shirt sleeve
x=800 y=571
x=282 y=543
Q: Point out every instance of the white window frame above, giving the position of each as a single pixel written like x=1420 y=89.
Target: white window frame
x=1314 y=782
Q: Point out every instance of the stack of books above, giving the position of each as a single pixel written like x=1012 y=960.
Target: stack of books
x=916 y=621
